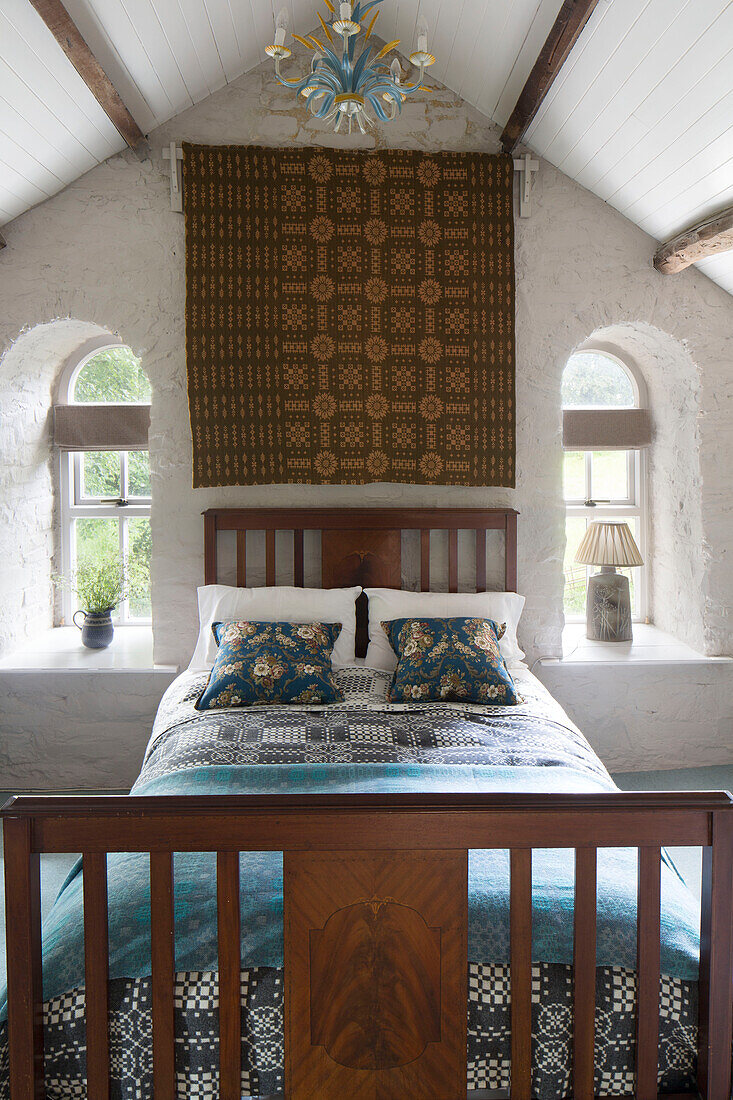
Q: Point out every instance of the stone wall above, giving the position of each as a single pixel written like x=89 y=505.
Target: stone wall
x=109 y=252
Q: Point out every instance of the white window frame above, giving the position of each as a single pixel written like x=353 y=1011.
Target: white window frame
x=635 y=506
x=74 y=506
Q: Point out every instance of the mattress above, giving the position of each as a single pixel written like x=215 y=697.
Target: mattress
x=366 y=744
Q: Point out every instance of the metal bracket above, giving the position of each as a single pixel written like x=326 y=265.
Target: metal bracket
x=526 y=166
x=175 y=155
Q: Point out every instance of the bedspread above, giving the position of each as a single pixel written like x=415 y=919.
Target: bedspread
x=368 y=745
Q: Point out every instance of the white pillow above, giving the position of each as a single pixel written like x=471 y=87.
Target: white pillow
x=392 y=603
x=218 y=602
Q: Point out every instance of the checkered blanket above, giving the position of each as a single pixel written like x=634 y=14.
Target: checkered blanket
x=365 y=744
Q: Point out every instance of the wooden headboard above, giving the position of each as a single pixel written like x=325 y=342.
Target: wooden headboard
x=361 y=545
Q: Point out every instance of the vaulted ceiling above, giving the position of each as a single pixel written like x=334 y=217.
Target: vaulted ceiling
x=641 y=113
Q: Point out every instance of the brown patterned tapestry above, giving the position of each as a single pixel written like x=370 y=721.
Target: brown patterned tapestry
x=349 y=316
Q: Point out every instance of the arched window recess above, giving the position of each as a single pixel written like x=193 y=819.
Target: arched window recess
x=101 y=423
x=606 y=428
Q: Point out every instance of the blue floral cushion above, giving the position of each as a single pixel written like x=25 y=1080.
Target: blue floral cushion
x=271 y=663
x=449 y=660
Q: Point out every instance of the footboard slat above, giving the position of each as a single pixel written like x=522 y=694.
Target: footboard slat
x=229 y=938
x=163 y=974
x=96 y=973
x=648 y=972
x=584 y=971
x=521 y=972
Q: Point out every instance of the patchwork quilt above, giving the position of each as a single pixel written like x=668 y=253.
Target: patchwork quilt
x=366 y=744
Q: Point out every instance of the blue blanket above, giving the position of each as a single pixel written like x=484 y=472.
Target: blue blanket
x=492 y=752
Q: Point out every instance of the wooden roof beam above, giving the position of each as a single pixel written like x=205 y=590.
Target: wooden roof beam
x=572 y=17
x=62 y=27
x=707 y=238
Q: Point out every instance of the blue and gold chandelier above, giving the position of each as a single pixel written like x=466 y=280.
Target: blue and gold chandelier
x=340 y=84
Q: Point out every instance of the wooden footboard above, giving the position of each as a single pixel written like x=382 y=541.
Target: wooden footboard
x=375 y=929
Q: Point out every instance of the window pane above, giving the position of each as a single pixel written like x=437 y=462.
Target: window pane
x=575 y=575
x=610 y=475
x=591 y=380
x=97 y=540
x=113 y=375
x=138 y=567
x=100 y=474
x=574 y=475
x=138 y=473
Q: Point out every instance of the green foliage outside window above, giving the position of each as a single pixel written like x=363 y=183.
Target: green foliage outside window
x=591 y=381
x=113 y=377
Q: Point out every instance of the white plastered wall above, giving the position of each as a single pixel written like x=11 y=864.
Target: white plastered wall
x=109 y=252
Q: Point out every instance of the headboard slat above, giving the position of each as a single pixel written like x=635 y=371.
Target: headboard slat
x=425 y=560
x=298 y=558
x=270 y=560
x=480 y=559
x=453 y=559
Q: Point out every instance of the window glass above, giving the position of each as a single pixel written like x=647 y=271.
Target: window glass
x=101 y=474
x=138 y=559
x=112 y=376
x=591 y=380
x=138 y=475
x=574 y=475
x=97 y=540
x=576 y=575
x=610 y=475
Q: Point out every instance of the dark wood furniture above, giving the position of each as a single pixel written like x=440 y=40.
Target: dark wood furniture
x=375 y=900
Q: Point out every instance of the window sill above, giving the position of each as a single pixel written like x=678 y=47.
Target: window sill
x=650 y=646
x=60 y=650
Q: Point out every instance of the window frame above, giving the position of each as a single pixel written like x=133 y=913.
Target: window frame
x=74 y=506
x=633 y=507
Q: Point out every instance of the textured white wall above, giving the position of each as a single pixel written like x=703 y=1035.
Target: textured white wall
x=647 y=717
x=109 y=251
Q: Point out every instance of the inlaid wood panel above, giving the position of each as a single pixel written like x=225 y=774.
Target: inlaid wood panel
x=375 y=970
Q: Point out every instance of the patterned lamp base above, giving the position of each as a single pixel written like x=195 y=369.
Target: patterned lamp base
x=608 y=614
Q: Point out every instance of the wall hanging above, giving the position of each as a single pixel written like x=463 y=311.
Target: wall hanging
x=349 y=316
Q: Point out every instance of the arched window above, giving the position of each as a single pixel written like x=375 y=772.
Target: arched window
x=604 y=464
x=101 y=427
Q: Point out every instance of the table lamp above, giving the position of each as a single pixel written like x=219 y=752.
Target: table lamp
x=608 y=606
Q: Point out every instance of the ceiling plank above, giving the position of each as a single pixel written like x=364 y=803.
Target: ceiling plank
x=707 y=238
x=62 y=27
x=572 y=17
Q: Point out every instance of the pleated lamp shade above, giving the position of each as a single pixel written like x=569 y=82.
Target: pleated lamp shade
x=608 y=544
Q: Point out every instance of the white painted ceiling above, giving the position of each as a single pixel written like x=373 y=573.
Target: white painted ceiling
x=641 y=114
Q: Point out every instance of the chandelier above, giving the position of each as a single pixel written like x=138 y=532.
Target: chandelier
x=343 y=80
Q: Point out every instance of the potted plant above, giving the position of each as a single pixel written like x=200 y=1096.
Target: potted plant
x=100 y=587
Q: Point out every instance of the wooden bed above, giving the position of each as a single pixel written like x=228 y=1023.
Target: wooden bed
x=375 y=886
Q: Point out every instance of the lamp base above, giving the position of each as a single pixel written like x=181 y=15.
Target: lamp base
x=608 y=607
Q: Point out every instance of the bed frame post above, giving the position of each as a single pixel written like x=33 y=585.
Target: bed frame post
x=716 y=962
x=23 y=929
x=210 y=547
x=510 y=552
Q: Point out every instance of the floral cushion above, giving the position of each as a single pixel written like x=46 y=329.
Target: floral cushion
x=271 y=663
x=448 y=660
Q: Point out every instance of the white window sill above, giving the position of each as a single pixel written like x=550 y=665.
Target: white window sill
x=650 y=646
x=60 y=650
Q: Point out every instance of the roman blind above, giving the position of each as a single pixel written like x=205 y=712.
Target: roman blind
x=606 y=429
x=101 y=427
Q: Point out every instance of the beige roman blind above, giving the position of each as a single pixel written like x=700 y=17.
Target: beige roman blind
x=606 y=429
x=101 y=427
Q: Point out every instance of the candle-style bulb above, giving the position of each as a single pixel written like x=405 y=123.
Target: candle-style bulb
x=396 y=70
x=345 y=10
x=281 y=26
x=422 y=37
